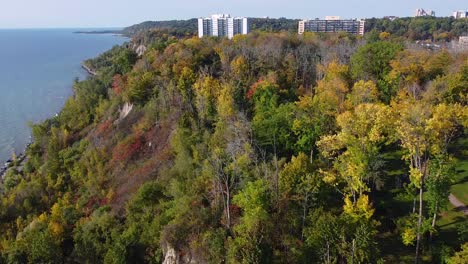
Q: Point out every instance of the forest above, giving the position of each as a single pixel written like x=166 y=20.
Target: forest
x=267 y=148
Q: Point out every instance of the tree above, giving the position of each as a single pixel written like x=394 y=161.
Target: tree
x=271 y=122
x=298 y=184
x=416 y=139
x=249 y=244
x=438 y=185
x=324 y=235
x=94 y=236
x=461 y=256
x=411 y=70
x=372 y=61
x=355 y=147
x=354 y=151
x=361 y=228
x=363 y=92
x=140 y=87
x=311 y=120
x=445 y=123
x=347 y=238
x=334 y=86
x=206 y=91
x=124 y=61
x=140 y=240
x=37 y=243
x=424 y=132
x=231 y=152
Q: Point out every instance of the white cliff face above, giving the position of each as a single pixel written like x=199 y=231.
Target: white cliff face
x=140 y=50
x=171 y=257
x=124 y=111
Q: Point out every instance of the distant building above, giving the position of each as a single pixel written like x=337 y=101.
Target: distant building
x=332 y=24
x=421 y=12
x=391 y=18
x=460 y=14
x=222 y=25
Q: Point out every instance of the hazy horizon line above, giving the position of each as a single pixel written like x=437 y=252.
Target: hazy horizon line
x=121 y=27
x=78 y=27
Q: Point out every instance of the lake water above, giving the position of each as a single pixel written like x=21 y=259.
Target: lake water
x=37 y=69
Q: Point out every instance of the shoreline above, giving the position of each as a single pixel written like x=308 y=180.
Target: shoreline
x=20 y=160
x=22 y=157
x=88 y=70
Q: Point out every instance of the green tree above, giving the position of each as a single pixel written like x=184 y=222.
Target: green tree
x=94 y=237
x=461 y=256
x=249 y=244
x=372 y=61
x=298 y=184
x=271 y=122
x=311 y=120
x=140 y=88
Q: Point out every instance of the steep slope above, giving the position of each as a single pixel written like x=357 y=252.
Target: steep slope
x=268 y=148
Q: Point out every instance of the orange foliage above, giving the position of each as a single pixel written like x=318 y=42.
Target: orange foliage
x=270 y=78
x=127 y=149
x=103 y=128
x=253 y=89
x=118 y=83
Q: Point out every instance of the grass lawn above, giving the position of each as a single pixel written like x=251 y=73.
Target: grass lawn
x=449 y=218
x=392 y=203
x=460 y=188
x=461 y=192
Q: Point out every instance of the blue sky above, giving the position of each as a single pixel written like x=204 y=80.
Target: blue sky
x=119 y=13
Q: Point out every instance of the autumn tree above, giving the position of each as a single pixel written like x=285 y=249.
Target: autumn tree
x=206 y=91
x=355 y=147
x=312 y=119
x=231 y=152
x=424 y=132
x=299 y=185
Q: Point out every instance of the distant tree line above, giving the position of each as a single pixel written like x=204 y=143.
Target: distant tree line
x=411 y=28
x=420 y=28
x=180 y=27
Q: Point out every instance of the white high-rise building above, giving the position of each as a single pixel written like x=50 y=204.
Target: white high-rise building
x=460 y=14
x=421 y=12
x=222 y=25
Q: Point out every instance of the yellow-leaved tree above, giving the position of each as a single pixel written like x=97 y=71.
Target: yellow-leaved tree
x=353 y=152
x=424 y=132
x=355 y=147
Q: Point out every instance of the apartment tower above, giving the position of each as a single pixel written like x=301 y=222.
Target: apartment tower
x=222 y=25
x=332 y=24
x=460 y=14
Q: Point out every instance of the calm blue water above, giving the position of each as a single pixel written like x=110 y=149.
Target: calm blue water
x=37 y=69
